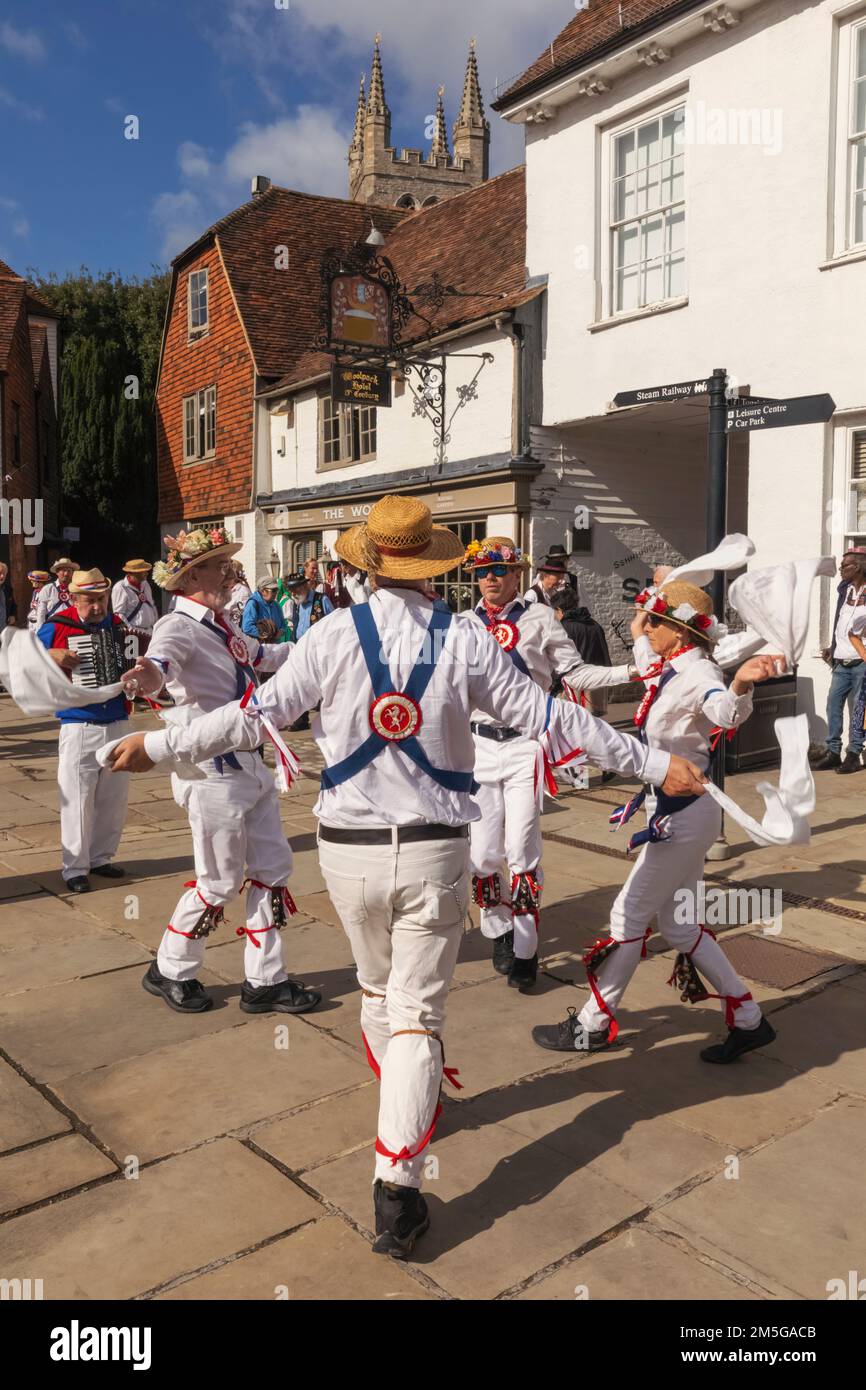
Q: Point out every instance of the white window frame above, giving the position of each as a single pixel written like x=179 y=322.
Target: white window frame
x=346 y=415
x=633 y=121
x=842 y=239
x=855 y=534
x=196 y=331
x=199 y=411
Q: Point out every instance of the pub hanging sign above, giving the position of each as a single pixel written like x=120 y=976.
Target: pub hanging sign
x=361 y=385
x=364 y=306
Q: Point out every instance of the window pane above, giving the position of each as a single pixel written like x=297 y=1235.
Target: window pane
x=624 y=198
x=627 y=243
x=648 y=189
x=860 y=218
x=859 y=117
x=648 y=144
x=673 y=182
x=652 y=239
x=624 y=160
x=210 y=420
x=189 y=427
x=626 y=289
x=670 y=124
x=860 y=68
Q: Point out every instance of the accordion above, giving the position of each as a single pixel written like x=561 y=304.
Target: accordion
x=105 y=653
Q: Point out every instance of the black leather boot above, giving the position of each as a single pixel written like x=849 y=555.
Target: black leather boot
x=523 y=973
x=850 y=763
x=289 y=997
x=401 y=1217
x=738 y=1041
x=185 y=996
x=503 y=953
x=829 y=760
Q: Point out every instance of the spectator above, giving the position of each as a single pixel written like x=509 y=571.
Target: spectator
x=847 y=656
x=347 y=585
x=551 y=578
x=239 y=596
x=588 y=636
x=38 y=580
x=263 y=617
x=306 y=605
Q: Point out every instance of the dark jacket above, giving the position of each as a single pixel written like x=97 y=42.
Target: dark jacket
x=588 y=636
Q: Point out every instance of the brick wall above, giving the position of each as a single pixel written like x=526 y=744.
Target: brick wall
x=222 y=484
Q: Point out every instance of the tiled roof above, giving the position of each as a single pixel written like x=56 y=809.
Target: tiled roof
x=476 y=241
x=599 y=27
x=11 y=297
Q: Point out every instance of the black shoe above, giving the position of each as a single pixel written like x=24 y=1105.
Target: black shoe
x=401 y=1217
x=80 y=884
x=829 y=760
x=109 y=871
x=185 y=996
x=503 y=953
x=522 y=974
x=608 y=777
x=300 y=724
x=850 y=763
x=738 y=1041
x=570 y=1036
x=289 y=997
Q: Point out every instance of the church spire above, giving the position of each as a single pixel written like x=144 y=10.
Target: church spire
x=472 y=106
x=376 y=105
x=440 y=130
x=472 y=129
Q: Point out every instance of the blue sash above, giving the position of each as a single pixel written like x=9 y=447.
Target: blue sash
x=244 y=673
x=380 y=679
x=513 y=617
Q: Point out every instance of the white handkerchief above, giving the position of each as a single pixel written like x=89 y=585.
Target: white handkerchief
x=788 y=805
x=775 y=602
x=731 y=554
x=36 y=683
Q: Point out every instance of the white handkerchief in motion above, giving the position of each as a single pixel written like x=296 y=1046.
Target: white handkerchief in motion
x=775 y=602
x=36 y=683
x=732 y=553
x=788 y=805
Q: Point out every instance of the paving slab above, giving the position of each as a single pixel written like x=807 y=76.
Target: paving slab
x=637 y=1265
x=500 y=1208
x=783 y=1214
x=177 y=1096
x=320 y=1132
x=25 y=1115
x=44 y=1171
x=324 y=1261
x=74 y=953
x=130 y=1236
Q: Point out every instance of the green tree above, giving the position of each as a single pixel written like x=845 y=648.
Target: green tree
x=112 y=331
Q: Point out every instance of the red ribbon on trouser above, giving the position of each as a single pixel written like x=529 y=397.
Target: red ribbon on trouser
x=590 y=956
x=371 y=1060
x=193 y=883
x=288 y=900
x=450 y=1074
x=731 y=1001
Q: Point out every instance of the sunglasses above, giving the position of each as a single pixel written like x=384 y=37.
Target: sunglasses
x=492 y=571
x=654 y=620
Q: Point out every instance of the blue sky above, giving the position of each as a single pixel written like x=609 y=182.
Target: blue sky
x=222 y=89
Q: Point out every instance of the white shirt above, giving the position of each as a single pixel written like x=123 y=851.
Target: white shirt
x=329 y=666
x=49 y=600
x=134 y=605
x=690 y=705
x=198 y=667
x=852 y=619
x=548 y=651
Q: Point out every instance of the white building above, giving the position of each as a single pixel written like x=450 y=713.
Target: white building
x=695 y=198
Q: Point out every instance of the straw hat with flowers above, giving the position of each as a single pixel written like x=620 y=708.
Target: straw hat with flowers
x=684 y=605
x=495 y=550
x=399 y=541
x=189 y=548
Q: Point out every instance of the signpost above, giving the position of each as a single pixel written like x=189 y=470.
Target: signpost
x=727 y=417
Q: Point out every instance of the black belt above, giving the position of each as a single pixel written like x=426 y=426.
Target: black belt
x=406 y=834
x=837 y=661
x=494 y=731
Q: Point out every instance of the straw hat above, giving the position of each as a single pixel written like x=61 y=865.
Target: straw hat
x=38 y=576
x=495 y=550
x=89 y=582
x=64 y=564
x=686 y=606
x=189 y=548
x=137 y=567
x=399 y=541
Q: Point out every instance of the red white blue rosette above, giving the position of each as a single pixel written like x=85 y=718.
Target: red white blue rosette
x=395 y=717
x=506 y=634
x=239 y=650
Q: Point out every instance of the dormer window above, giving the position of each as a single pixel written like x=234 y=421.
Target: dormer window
x=198 y=303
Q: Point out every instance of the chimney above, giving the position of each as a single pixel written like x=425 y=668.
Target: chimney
x=260 y=184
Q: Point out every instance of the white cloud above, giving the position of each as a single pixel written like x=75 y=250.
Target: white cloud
x=12 y=217
x=75 y=35
x=306 y=151
x=21 y=108
x=21 y=43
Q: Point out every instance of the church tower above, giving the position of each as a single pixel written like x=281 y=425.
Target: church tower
x=378 y=173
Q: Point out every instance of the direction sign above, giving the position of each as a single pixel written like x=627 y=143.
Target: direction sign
x=650 y=394
x=768 y=414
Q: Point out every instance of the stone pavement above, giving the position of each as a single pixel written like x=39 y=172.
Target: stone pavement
x=147 y=1155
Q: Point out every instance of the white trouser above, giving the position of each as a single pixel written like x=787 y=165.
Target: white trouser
x=662 y=870
x=235 y=824
x=402 y=910
x=508 y=833
x=92 y=798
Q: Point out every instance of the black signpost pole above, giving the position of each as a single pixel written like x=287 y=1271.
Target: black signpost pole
x=717 y=510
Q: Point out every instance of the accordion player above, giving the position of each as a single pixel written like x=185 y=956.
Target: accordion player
x=104 y=654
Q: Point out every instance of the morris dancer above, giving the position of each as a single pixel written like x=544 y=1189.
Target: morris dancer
x=54 y=596
x=38 y=578
x=685 y=702
x=92 y=802
x=233 y=810
x=509 y=831
x=397 y=679
x=132 y=598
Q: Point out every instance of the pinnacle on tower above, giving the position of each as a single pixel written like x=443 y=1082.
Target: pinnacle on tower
x=358 y=137
x=440 y=130
x=472 y=106
x=376 y=104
